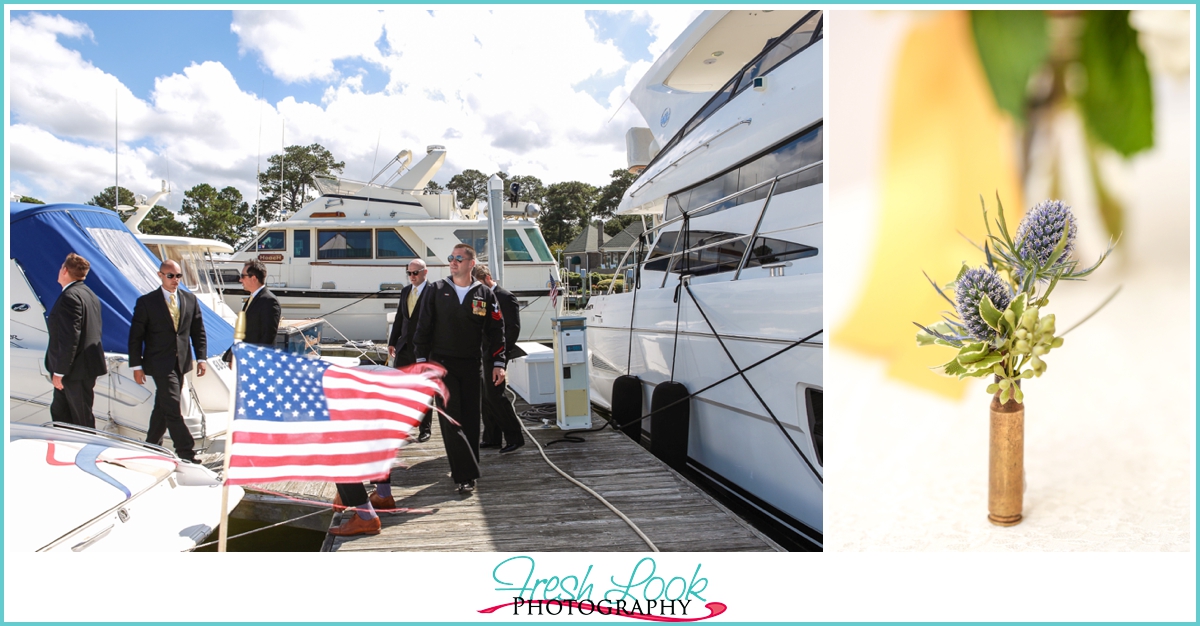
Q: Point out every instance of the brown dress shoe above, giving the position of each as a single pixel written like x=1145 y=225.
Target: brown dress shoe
x=381 y=503
x=357 y=526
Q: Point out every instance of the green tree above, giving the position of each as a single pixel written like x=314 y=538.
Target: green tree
x=433 y=187
x=532 y=189
x=298 y=164
x=30 y=200
x=609 y=200
x=564 y=210
x=470 y=185
x=105 y=198
x=222 y=215
x=161 y=221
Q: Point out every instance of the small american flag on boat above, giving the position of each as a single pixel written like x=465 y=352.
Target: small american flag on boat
x=300 y=419
x=553 y=291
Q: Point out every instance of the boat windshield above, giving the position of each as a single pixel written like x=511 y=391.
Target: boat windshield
x=195 y=265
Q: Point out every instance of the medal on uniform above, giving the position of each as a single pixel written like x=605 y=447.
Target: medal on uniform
x=479 y=307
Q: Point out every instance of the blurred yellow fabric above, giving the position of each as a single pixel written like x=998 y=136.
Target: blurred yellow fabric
x=948 y=143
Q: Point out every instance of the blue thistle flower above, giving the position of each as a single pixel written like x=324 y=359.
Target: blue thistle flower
x=974 y=284
x=1041 y=231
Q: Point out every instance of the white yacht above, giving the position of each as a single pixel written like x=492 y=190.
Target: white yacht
x=125 y=495
x=122 y=269
x=728 y=279
x=343 y=255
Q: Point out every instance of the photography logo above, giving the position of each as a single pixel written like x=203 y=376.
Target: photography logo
x=644 y=593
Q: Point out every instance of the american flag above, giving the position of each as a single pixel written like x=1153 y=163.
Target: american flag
x=553 y=291
x=300 y=419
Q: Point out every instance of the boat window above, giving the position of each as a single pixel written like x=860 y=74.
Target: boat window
x=767 y=250
x=300 y=241
x=273 y=240
x=658 y=259
x=128 y=255
x=343 y=244
x=476 y=238
x=783 y=50
x=797 y=152
x=539 y=244
x=514 y=248
x=391 y=246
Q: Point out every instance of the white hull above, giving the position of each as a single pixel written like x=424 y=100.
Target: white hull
x=125 y=497
x=731 y=433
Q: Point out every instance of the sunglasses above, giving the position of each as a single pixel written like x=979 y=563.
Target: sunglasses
x=414 y=273
x=244 y=275
x=172 y=276
x=456 y=257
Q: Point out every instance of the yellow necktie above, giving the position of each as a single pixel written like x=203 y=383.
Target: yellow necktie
x=412 y=301
x=174 y=310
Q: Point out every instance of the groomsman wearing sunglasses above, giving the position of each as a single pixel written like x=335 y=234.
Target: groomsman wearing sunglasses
x=460 y=320
x=165 y=322
x=408 y=313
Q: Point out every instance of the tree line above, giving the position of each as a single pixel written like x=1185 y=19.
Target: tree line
x=287 y=184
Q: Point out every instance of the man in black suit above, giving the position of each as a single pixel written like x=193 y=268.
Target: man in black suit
x=262 y=308
x=75 y=355
x=400 y=343
x=165 y=322
x=459 y=317
x=499 y=416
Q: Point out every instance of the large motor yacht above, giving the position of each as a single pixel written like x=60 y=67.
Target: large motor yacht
x=343 y=255
x=724 y=290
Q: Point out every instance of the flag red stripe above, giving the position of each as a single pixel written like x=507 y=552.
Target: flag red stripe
x=317 y=437
x=308 y=477
x=394 y=379
x=355 y=394
x=372 y=414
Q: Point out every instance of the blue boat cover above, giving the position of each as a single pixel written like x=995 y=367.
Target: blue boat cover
x=41 y=236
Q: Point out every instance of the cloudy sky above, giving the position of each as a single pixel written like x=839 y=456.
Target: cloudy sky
x=202 y=94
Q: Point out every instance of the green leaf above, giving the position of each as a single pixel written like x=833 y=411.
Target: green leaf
x=1012 y=45
x=953 y=369
x=1017 y=306
x=1118 y=105
x=983 y=366
x=990 y=313
x=926 y=339
x=972 y=352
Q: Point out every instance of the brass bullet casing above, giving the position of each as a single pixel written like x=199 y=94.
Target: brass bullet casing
x=239 y=329
x=1006 y=462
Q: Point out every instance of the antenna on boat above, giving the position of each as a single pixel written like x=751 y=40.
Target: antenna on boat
x=282 y=156
x=258 y=162
x=116 y=150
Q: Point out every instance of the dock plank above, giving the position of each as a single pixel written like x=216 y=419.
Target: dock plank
x=523 y=505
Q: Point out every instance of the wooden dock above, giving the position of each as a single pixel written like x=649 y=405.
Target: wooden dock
x=523 y=505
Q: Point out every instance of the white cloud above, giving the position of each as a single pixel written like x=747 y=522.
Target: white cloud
x=299 y=46
x=494 y=87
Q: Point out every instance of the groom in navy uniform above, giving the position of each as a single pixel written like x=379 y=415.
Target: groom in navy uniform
x=165 y=321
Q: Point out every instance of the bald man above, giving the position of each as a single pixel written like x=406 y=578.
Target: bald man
x=400 y=341
x=165 y=322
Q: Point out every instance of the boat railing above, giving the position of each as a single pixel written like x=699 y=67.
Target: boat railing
x=712 y=207
x=333 y=185
x=128 y=441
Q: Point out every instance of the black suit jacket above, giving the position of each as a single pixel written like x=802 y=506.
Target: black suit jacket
x=405 y=326
x=155 y=343
x=510 y=308
x=75 y=349
x=262 y=319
